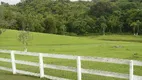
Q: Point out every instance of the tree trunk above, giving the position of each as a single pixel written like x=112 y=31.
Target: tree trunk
x=134 y=31
x=112 y=29
x=120 y=29
x=137 y=30
x=25 y=49
x=103 y=31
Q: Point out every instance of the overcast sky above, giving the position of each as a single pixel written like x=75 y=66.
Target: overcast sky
x=11 y=1
x=16 y=1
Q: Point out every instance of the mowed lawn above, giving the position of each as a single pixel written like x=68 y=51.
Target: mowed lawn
x=113 y=46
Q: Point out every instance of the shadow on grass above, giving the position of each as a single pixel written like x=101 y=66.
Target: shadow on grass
x=9 y=76
x=139 y=41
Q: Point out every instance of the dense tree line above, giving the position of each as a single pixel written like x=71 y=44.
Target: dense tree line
x=73 y=18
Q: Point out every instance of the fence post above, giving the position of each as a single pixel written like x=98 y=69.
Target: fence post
x=131 y=71
x=13 y=62
x=78 y=68
x=41 y=65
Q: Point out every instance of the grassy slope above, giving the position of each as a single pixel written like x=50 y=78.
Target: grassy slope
x=87 y=46
x=90 y=46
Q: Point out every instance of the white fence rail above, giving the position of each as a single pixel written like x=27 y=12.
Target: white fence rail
x=77 y=69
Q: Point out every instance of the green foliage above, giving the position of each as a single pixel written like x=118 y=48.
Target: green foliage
x=103 y=26
x=136 y=26
x=113 y=0
x=102 y=8
x=66 y=17
x=50 y=25
x=133 y=24
x=3 y=23
x=62 y=29
x=24 y=37
x=135 y=0
x=114 y=23
x=2 y=30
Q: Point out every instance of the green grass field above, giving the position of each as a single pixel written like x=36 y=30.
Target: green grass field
x=113 y=46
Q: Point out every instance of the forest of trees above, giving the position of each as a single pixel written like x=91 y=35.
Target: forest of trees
x=73 y=18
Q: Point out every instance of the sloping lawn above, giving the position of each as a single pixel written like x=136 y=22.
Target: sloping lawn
x=113 y=46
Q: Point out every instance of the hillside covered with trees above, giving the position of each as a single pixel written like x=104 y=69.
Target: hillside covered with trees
x=73 y=18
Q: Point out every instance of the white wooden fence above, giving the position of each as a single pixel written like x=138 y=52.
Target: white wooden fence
x=79 y=70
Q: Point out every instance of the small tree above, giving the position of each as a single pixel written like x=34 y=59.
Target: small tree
x=138 y=25
x=24 y=37
x=135 y=26
x=103 y=26
x=2 y=30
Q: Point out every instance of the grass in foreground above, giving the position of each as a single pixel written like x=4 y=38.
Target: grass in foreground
x=9 y=76
x=114 y=46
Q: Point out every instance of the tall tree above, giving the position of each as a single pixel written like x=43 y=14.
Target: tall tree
x=3 y=23
x=103 y=24
x=50 y=25
x=136 y=26
x=102 y=8
x=113 y=22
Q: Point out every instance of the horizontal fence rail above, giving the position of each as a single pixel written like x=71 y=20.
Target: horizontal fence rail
x=86 y=58
x=107 y=60
x=5 y=60
x=27 y=73
x=138 y=63
x=5 y=69
x=27 y=63
x=77 y=69
x=105 y=73
x=137 y=77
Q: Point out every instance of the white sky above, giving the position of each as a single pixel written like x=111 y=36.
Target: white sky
x=17 y=1
x=10 y=1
